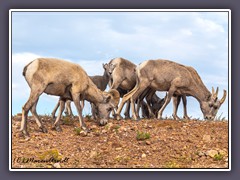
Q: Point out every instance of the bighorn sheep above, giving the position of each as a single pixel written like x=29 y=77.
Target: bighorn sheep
x=176 y=79
x=100 y=81
x=69 y=81
x=123 y=78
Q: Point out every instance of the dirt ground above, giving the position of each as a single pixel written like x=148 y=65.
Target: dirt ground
x=122 y=144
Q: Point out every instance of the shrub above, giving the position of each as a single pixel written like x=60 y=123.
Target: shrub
x=142 y=136
x=218 y=157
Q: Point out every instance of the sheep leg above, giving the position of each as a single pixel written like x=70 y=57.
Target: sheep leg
x=82 y=104
x=176 y=101
x=76 y=100
x=145 y=112
x=55 y=110
x=168 y=99
x=141 y=103
x=148 y=99
x=68 y=109
x=56 y=124
x=138 y=106
x=127 y=109
x=124 y=100
x=141 y=87
x=35 y=115
x=184 y=98
x=34 y=95
x=94 y=115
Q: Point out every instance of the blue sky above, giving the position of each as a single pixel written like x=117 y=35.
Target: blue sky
x=197 y=39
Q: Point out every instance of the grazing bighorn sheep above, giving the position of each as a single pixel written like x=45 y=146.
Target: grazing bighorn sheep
x=100 y=81
x=69 y=81
x=176 y=79
x=123 y=78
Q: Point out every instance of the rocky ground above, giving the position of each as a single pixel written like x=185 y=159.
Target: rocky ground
x=122 y=144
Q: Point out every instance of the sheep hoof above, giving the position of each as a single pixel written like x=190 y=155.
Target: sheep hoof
x=176 y=117
x=186 y=117
x=24 y=134
x=85 y=129
x=136 y=118
x=127 y=117
x=118 y=117
x=43 y=129
x=58 y=129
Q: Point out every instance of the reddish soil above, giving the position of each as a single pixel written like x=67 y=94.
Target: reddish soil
x=168 y=144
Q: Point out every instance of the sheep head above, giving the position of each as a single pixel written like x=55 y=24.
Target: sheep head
x=111 y=100
x=212 y=105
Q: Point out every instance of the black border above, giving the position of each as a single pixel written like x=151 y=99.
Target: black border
x=5 y=5
x=132 y=169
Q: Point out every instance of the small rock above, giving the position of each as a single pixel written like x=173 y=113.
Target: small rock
x=212 y=153
x=206 y=138
x=93 y=127
x=118 y=149
x=104 y=131
x=134 y=128
x=150 y=126
x=83 y=133
x=144 y=155
x=57 y=165
x=93 y=154
x=110 y=125
x=148 y=142
x=222 y=152
x=201 y=154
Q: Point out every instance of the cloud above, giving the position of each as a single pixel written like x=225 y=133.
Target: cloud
x=197 y=39
x=209 y=26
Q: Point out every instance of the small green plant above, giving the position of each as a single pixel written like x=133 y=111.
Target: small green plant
x=171 y=164
x=77 y=130
x=218 y=157
x=122 y=159
x=53 y=154
x=142 y=136
x=67 y=120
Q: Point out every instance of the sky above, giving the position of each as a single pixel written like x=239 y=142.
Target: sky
x=197 y=39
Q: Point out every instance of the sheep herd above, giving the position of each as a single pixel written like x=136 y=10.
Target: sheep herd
x=135 y=84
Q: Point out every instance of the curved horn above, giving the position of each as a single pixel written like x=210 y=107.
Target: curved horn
x=116 y=96
x=224 y=96
x=216 y=93
x=213 y=91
